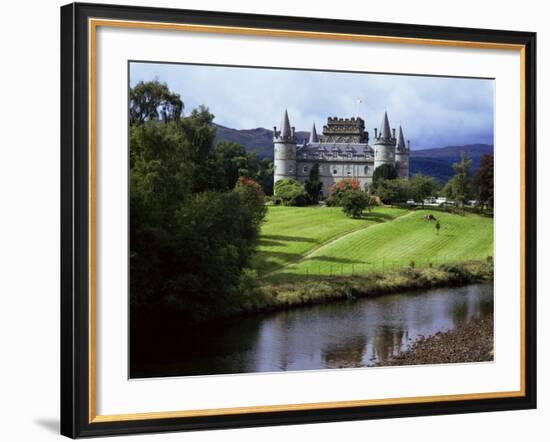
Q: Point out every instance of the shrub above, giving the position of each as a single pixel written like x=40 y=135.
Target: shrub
x=290 y=192
x=340 y=188
x=354 y=202
x=253 y=197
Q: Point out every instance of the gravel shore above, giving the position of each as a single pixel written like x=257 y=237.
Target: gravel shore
x=471 y=341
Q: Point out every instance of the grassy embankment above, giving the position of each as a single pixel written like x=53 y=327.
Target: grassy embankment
x=314 y=255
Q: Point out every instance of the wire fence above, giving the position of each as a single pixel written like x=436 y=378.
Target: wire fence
x=314 y=269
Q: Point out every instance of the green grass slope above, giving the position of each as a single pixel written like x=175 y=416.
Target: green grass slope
x=394 y=244
x=290 y=233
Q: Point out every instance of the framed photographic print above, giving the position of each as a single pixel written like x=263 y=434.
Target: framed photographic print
x=278 y=220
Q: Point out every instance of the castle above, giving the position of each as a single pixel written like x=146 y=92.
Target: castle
x=342 y=151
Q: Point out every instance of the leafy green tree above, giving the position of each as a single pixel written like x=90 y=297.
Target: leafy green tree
x=290 y=192
x=422 y=187
x=384 y=172
x=354 y=202
x=190 y=238
x=313 y=185
x=252 y=196
x=483 y=180
x=153 y=101
x=264 y=175
x=458 y=188
x=393 y=191
x=234 y=160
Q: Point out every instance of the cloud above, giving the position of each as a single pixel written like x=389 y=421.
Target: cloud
x=434 y=111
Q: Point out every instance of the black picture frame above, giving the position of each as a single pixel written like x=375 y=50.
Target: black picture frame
x=75 y=219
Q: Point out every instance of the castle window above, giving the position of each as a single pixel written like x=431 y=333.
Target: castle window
x=366 y=170
x=305 y=169
x=335 y=171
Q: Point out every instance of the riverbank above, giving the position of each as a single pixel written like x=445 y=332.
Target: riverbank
x=297 y=291
x=470 y=341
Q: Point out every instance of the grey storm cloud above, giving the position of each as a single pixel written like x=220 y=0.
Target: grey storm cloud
x=434 y=111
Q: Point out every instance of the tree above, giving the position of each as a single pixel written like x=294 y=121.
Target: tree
x=153 y=100
x=190 y=237
x=384 y=172
x=421 y=187
x=458 y=188
x=234 y=160
x=393 y=191
x=313 y=185
x=483 y=180
x=265 y=175
x=354 y=202
x=252 y=196
x=290 y=192
x=340 y=188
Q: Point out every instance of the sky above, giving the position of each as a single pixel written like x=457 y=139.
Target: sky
x=433 y=111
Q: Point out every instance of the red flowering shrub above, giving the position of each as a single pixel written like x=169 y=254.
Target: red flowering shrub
x=341 y=188
x=252 y=195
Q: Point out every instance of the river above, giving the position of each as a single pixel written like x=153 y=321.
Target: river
x=341 y=334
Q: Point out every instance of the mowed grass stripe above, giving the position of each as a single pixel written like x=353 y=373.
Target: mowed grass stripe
x=289 y=233
x=397 y=243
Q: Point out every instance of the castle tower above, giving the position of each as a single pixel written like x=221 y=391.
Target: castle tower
x=313 y=137
x=402 y=156
x=284 y=142
x=384 y=144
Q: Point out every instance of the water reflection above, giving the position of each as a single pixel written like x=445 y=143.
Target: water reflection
x=345 y=334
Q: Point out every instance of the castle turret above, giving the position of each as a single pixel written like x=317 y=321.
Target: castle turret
x=284 y=142
x=402 y=156
x=384 y=144
x=313 y=137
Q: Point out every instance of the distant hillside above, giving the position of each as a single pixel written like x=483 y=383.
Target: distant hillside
x=258 y=140
x=436 y=162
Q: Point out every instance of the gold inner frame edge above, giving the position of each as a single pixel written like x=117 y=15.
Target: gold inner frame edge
x=93 y=24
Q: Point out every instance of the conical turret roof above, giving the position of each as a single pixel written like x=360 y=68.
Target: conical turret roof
x=285 y=126
x=385 y=131
x=401 y=140
x=313 y=137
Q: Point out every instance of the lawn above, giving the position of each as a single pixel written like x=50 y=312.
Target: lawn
x=323 y=241
x=290 y=233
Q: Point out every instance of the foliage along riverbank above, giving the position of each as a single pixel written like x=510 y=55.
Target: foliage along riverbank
x=470 y=341
x=301 y=291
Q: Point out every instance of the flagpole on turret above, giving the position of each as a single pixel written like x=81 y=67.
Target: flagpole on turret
x=358 y=102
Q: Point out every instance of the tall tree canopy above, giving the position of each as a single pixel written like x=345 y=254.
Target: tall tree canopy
x=422 y=187
x=313 y=185
x=458 y=188
x=153 y=100
x=384 y=172
x=190 y=237
x=483 y=180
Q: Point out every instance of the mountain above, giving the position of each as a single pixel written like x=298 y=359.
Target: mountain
x=436 y=162
x=258 y=140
